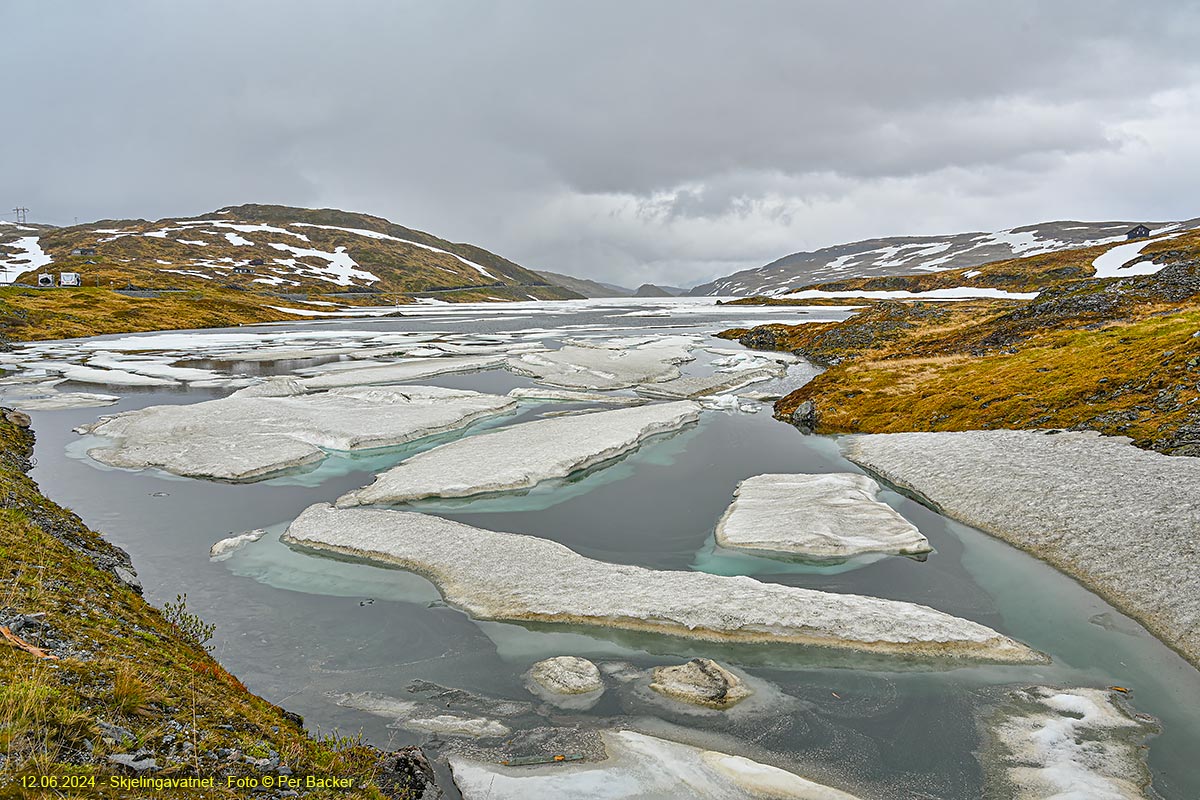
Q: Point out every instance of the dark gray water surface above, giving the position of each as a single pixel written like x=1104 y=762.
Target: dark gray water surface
x=294 y=628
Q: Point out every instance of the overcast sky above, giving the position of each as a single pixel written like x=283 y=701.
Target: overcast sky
x=627 y=141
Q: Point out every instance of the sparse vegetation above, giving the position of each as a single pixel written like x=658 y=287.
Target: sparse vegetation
x=123 y=678
x=1120 y=356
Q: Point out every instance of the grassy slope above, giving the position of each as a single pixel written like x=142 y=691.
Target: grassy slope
x=154 y=261
x=1117 y=356
x=33 y=314
x=122 y=664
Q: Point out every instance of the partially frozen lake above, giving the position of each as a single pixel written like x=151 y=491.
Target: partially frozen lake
x=358 y=646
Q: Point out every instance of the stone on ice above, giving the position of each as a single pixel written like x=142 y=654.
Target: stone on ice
x=701 y=682
x=639 y=767
x=506 y=576
x=822 y=517
x=566 y=681
x=246 y=437
x=522 y=455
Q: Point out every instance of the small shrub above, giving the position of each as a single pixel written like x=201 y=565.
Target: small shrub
x=188 y=624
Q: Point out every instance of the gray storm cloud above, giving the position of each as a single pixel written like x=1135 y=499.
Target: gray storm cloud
x=631 y=142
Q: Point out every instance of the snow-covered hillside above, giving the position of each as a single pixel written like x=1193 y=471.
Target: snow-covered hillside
x=266 y=248
x=913 y=255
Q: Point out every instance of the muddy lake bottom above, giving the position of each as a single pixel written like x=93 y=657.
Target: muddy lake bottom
x=304 y=630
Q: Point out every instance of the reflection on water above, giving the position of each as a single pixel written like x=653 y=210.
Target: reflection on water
x=301 y=629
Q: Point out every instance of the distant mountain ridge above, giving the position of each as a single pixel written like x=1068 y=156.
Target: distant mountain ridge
x=906 y=255
x=584 y=286
x=269 y=248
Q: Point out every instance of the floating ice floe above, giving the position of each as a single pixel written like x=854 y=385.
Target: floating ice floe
x=639 y=767
x=113 y=377
x=286 y=353
x=408 y=714
x=571 y=396
x=688 y=386
x=727 y=402
x=1067 y=743
x=66 y=400
x=402 y=371
x=251 y=435
x=825 y=516
x=1121 y=520
x=152 y=367
x=456 y=725
x=226 y=547
x=523 y=455
x=510 y=577
x=606 y=365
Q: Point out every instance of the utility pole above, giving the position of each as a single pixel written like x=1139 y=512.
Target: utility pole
x=21 y=211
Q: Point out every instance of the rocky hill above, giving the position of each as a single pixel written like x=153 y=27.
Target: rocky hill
x=907 y=255
x=269 y=248
x=585 y=287
x=650 y=290
x=1109 y=341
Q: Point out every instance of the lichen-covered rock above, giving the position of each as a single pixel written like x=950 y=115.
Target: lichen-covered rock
x=507 y=576
x=701 y=682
